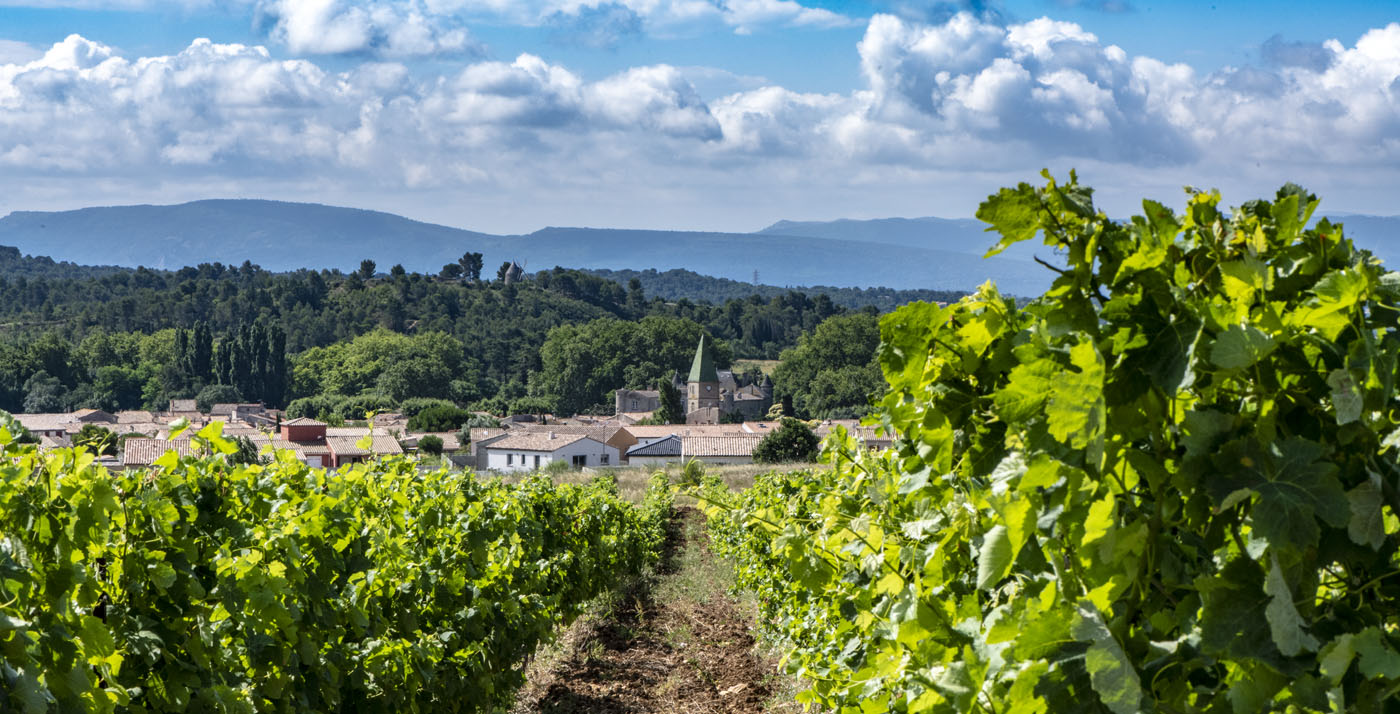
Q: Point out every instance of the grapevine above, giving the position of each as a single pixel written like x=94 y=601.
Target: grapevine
x=1169 y=484
x=204 y=586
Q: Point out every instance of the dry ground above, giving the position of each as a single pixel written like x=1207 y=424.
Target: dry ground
x=673 y=641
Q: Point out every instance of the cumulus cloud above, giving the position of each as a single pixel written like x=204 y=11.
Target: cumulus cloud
x=382 y=27
x=12 y=52
x=1278 y=52
x=600 y=27
x=420 y=28
x=968 y=96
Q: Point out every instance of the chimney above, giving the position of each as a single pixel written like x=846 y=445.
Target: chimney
x=551 y=436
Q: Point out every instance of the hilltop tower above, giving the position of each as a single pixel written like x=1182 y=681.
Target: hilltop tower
x=702 y=389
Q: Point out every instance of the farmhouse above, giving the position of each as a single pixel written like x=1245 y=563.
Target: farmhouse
x=533 y=450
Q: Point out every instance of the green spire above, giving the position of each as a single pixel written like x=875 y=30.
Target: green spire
x=703 y=368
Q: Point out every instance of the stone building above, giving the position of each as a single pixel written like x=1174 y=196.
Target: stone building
x=711 y=394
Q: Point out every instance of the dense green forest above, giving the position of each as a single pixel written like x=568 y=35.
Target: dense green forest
x=680 y=283
x=558 y=340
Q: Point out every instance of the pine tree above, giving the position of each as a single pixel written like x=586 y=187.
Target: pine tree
x=670 y=411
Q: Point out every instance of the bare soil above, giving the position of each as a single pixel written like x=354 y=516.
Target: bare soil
x=671 y=642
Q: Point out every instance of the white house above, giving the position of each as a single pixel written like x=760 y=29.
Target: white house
x=666 y=450
x=538 y=449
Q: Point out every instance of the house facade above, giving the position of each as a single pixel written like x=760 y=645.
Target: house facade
x=536 y=450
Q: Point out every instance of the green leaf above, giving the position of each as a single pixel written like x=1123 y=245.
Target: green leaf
x=1336 y=657
x=1014 y=213
x=1100 y=520
x=1203 y=430
x=1243 y=279
x=1367 y=525
x=1346 y=400
x=1044 y=472
x=1232 y=612
x=994 y=558
x=1287 y=217
x=1075 y=413
x=163 y=575
x=1284 y=622
x=34 y=698
x=178 y=427
x=1008 y=470
x=1170 y=352
x=1294 y=487
x=1378 y=658
x=1026 y=390
x=1020 y=522
x=1239 y=347
x=1112 y=674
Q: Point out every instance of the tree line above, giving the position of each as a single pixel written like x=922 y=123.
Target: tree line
x=557 y=340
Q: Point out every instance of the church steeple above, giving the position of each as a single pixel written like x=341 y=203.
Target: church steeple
x=702 y=389
x=703 y=368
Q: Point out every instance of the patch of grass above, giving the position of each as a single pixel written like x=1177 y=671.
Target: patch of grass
x=698 y=577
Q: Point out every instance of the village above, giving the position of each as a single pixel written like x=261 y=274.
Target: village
x=724 y=423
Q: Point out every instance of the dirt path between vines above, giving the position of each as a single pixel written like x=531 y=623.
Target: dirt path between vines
x=674 y=642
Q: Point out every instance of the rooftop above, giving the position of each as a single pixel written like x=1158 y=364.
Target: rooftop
x=144 y=452
x=303 y=421
x=719 y=445
x=536 y=441
x=669 y=446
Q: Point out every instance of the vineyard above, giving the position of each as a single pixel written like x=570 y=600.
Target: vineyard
x=1169 y=484
x=204 y=587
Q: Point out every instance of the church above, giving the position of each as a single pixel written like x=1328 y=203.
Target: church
x=709 y=394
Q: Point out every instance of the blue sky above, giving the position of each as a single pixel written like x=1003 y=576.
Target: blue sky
x=506 y=115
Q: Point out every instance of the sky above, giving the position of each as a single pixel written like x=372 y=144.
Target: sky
x=510 y=115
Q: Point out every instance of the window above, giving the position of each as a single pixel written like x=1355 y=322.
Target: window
x=510 y=459
x=603 y=459
x=537 y=460
x=580 y=461
x=634 y=405
x=707 y=387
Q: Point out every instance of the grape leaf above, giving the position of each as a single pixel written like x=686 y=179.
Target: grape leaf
x=1026 y=390
x=1075 y=413
x=1367 y=525
x=1014 y=213
x=1346 y=401
x=1294 y=489
x=1239 y=347
x=994 y=558
x=1284 y=622
x=1232 y=612
x=1377 y=657
x=1113 y=676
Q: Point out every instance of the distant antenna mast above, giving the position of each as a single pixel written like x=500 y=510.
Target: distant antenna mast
x=755 y=277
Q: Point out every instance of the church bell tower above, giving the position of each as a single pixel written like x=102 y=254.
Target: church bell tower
x=702 y=389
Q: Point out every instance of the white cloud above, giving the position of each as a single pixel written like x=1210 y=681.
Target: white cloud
x=389 y=28
x=12 y=52
x=963 y=106
x=419 y=28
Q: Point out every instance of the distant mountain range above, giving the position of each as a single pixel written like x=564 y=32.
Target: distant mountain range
x=901 y=253
x=287 y=236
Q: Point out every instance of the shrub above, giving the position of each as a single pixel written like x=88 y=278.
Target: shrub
x=793 y=441
x=216 y=394
x=430 y=445
x=439 y=418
